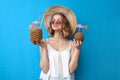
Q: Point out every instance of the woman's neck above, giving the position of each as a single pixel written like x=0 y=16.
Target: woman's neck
x=58 y=35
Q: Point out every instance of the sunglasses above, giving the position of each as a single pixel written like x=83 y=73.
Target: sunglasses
x=57 y=22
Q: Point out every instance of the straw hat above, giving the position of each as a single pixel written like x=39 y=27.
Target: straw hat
x=60 y=9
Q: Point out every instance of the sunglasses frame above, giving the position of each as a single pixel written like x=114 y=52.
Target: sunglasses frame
x=56 y=21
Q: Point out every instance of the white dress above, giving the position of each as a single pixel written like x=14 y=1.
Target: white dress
x=59 y=69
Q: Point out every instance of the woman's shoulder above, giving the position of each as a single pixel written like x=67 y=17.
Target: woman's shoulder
x=71 y=42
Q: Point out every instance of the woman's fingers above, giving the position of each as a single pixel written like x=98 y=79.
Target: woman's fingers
x=40 y=43
x=80 y=42
x=74 y=40
x=77 y=43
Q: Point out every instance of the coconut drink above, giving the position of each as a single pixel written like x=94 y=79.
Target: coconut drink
x=79 y=35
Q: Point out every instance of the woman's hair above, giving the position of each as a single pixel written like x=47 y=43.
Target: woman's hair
x=66 y=27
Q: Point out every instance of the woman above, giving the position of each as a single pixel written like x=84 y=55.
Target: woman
x=59 y=55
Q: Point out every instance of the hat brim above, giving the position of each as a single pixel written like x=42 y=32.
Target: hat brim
x=60 y=9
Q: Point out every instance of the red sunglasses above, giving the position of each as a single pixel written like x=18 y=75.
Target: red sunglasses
x=57 y=22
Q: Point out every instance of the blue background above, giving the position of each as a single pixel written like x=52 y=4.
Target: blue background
x=100 y=52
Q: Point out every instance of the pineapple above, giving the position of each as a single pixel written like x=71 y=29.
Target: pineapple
x=36 y=35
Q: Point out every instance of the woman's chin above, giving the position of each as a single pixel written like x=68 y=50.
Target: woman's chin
x=55 y=28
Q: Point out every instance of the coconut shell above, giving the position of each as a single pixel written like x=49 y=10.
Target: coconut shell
x=79 y=36
x=35 y=35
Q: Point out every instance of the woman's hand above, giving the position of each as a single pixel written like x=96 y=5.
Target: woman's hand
x=42 y=44
x=77 y=44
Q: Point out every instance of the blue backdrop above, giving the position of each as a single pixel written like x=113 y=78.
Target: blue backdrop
x=100 y=52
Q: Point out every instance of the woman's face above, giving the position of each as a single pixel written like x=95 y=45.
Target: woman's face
x=57 y=22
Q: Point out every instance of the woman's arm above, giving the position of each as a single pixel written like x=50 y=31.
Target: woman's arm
x=75 y=52
x=44 y=61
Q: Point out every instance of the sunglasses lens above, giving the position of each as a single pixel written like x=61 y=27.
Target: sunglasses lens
x=57 y=22
x=52 y=22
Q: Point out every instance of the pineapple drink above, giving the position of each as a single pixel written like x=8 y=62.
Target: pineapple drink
x=35 y=33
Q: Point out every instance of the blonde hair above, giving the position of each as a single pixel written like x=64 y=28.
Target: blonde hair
x=66 y=29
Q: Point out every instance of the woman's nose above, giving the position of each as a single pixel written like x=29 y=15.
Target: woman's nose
x=55 y=22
